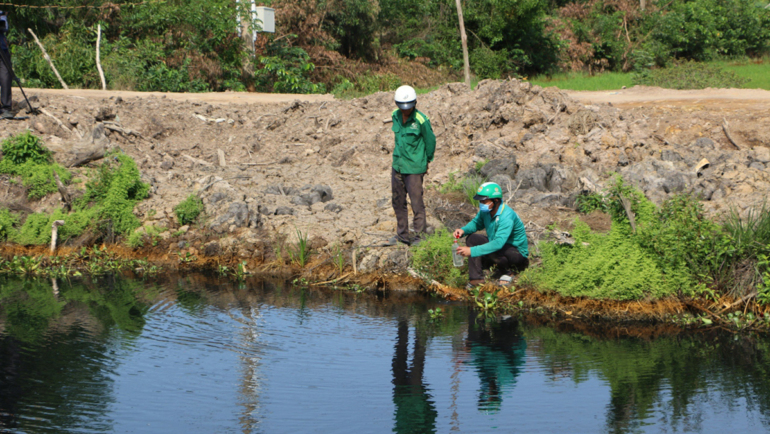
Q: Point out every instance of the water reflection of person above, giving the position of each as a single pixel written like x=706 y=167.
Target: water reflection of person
x=415 y=410
x=497 y=351
x=10 y=388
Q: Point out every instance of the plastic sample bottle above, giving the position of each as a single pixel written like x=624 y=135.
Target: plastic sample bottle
x=457 y=259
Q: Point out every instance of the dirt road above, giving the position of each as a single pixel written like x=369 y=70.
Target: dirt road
x=632 y=97
x=644 y=96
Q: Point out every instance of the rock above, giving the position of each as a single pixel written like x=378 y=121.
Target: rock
x=532 y=117
x=384 y=202
x=757 y=165
x=674 y=182
x=316 y=243
x=284 y=210
x=211 y=249
x=502 y=166
x=705 y=142
x=104 y=113
x=324 y=191
x=669 y=155
x=623 y=160
x=547 y=199
x=237 y=215
x=99 y=136
x=306 y=199
x=369 y=262
x=583 y=121
x=533 y=178
x=184 y=229
x=281 y=190
x=559 y=178
x=332 y=207
x=217 y=197
x=761 y=154
x=167 y=164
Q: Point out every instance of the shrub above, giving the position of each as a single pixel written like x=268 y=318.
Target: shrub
x=189 y=209
x=115 y=190
x=433 y=258
x=587 y=203
x=7 y=223
x=25 y=147
x=24 y=155
x=468 y=185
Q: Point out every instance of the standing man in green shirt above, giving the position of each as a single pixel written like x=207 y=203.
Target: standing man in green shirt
x=505 y=245
x=414 y=149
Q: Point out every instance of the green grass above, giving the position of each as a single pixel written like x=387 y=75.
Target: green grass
x=756 y=70
x=583 y=81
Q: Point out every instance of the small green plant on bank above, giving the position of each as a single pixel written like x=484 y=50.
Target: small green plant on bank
x=468 y=185
x=187 y=257
x=433 y=259
x=480 y=165
x=299 y=253
x=189 y=209
x=763 y=291
x=338 y=258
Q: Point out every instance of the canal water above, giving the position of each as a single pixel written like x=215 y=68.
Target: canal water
x=197 y=354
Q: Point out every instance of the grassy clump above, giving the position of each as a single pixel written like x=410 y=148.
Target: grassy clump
x=467 y=185
x=24 y=155
x=690 y=75
x=106 y=207
x=433 y=259
x=300 y=252
x=189 y=209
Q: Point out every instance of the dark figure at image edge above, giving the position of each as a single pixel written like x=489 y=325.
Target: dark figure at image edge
x=505 y=245
x=413 y=152
x=6 y=74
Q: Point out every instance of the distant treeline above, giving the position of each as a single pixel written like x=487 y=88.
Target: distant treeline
x=320 y=45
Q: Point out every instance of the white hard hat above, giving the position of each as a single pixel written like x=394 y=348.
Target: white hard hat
x=406 y=97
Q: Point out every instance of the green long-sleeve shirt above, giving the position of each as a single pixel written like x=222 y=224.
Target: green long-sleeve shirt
x=504 y=228
x=415 y=143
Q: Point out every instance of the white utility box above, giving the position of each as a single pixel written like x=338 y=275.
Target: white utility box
x=266 y=16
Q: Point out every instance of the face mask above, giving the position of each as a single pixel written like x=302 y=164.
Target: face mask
x=484 y=207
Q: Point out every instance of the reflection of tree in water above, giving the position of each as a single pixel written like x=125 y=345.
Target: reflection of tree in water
x=669 y=376
x=53 y=370
x=497 y=352
x=415 y=410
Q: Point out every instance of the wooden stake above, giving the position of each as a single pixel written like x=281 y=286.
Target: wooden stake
x=464 y=39
x=65 y=195
x=48 y=59
x=98 y=62
x=55 y=233
x=221 y=155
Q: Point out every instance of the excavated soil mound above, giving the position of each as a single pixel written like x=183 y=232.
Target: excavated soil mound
x=323 y=167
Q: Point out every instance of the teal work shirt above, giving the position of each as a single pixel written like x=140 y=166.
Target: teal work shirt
x=415 y=143
x=505 y=228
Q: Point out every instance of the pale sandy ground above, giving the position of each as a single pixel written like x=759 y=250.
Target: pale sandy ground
x=645 y=96
x=631 y=97
x=209 y=97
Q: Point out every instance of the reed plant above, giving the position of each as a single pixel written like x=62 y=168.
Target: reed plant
x=299 y=253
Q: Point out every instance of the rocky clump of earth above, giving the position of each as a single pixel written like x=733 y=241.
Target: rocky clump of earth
x=323 y=168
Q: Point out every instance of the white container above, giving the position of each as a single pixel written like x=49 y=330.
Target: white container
x=266 y=17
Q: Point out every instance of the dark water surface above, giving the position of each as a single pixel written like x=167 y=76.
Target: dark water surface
x=195 y=354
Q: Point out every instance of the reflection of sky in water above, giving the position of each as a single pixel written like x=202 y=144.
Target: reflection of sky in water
x=220 y=360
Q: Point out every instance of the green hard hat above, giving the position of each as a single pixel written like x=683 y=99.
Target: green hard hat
x=489 y=190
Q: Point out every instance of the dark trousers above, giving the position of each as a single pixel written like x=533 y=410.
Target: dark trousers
x=6 y=78
x=402 y=185
x=508 y=259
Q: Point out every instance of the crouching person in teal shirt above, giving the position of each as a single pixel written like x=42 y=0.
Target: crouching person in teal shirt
x=505 y=245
